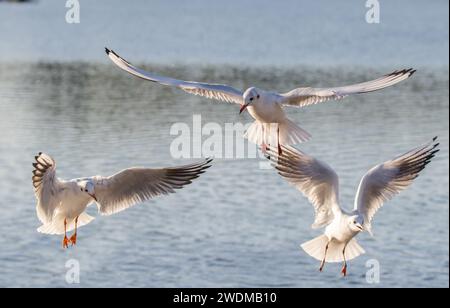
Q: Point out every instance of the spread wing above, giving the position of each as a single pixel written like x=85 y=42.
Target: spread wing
x=315 y=179
x=214 y=91
x=46 y=187
x=131 y=186
x=302 y=97
x=386 y=180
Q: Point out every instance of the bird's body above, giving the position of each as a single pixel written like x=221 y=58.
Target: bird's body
x=72 y=203
x=338 y=230
x=267 y=109
x=320 y=184
x=61 y=205
x=271 y=126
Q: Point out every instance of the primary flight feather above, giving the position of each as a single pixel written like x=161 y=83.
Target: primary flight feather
x=320 y=184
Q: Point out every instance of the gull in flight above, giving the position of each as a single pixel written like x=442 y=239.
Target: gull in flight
x=320 y=184
x=61 y=204
x=271 y=124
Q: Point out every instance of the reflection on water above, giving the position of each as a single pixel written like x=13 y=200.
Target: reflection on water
x=320 y=32
x=224 y=230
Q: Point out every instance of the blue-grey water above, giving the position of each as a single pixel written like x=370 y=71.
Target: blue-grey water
x=238 y=225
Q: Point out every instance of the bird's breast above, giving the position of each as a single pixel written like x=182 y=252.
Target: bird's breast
x=267 y=112
x=73 y=204
x=340 y=231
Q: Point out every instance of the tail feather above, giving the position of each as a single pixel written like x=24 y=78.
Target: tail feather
x=287 y=133
x=353 y=250
x=56 y=227
x=291 y=133
x=316 y=249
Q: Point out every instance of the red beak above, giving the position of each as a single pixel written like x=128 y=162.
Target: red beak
x=243 y=107
x=93 y=197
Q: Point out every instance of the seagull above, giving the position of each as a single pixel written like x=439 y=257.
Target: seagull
x=271 y=124
x=320 y=184
x=61 y=204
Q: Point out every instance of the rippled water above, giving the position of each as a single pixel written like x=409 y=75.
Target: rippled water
x=257 y=33
x=236 y=226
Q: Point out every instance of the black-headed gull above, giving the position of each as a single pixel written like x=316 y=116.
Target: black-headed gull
x=61 y=204
x=320 y=184
x=271 y=125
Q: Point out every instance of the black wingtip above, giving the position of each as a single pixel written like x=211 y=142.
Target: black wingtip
x=107 y=50
x=207 y=163
x=409 y=72
x=435 y=151
x=435 y=138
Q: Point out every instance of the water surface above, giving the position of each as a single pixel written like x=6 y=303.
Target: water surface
x=237 y=226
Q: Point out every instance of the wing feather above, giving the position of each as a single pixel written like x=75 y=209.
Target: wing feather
x=384 y=181
x=302 y=97
x=213 y=91
x=46 y=187
x=315 y=179
x=131 y=186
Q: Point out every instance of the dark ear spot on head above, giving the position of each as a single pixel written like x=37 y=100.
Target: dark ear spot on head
x=257 y=96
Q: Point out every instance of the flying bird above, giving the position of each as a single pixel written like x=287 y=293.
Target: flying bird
x=271 y=124
x=320 y=184
x=61 y=204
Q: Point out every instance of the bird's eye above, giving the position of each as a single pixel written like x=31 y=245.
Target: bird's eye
x=354 y=222
x=251 y=99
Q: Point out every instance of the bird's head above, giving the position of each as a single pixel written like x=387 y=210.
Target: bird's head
x=87 y=187
x=356 y=223
x=250 y=96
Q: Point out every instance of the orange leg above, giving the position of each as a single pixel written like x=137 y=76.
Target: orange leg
x=324 y=258
x=65 y=240
x=344 y=268
x=73 y=239
x=264 y=148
